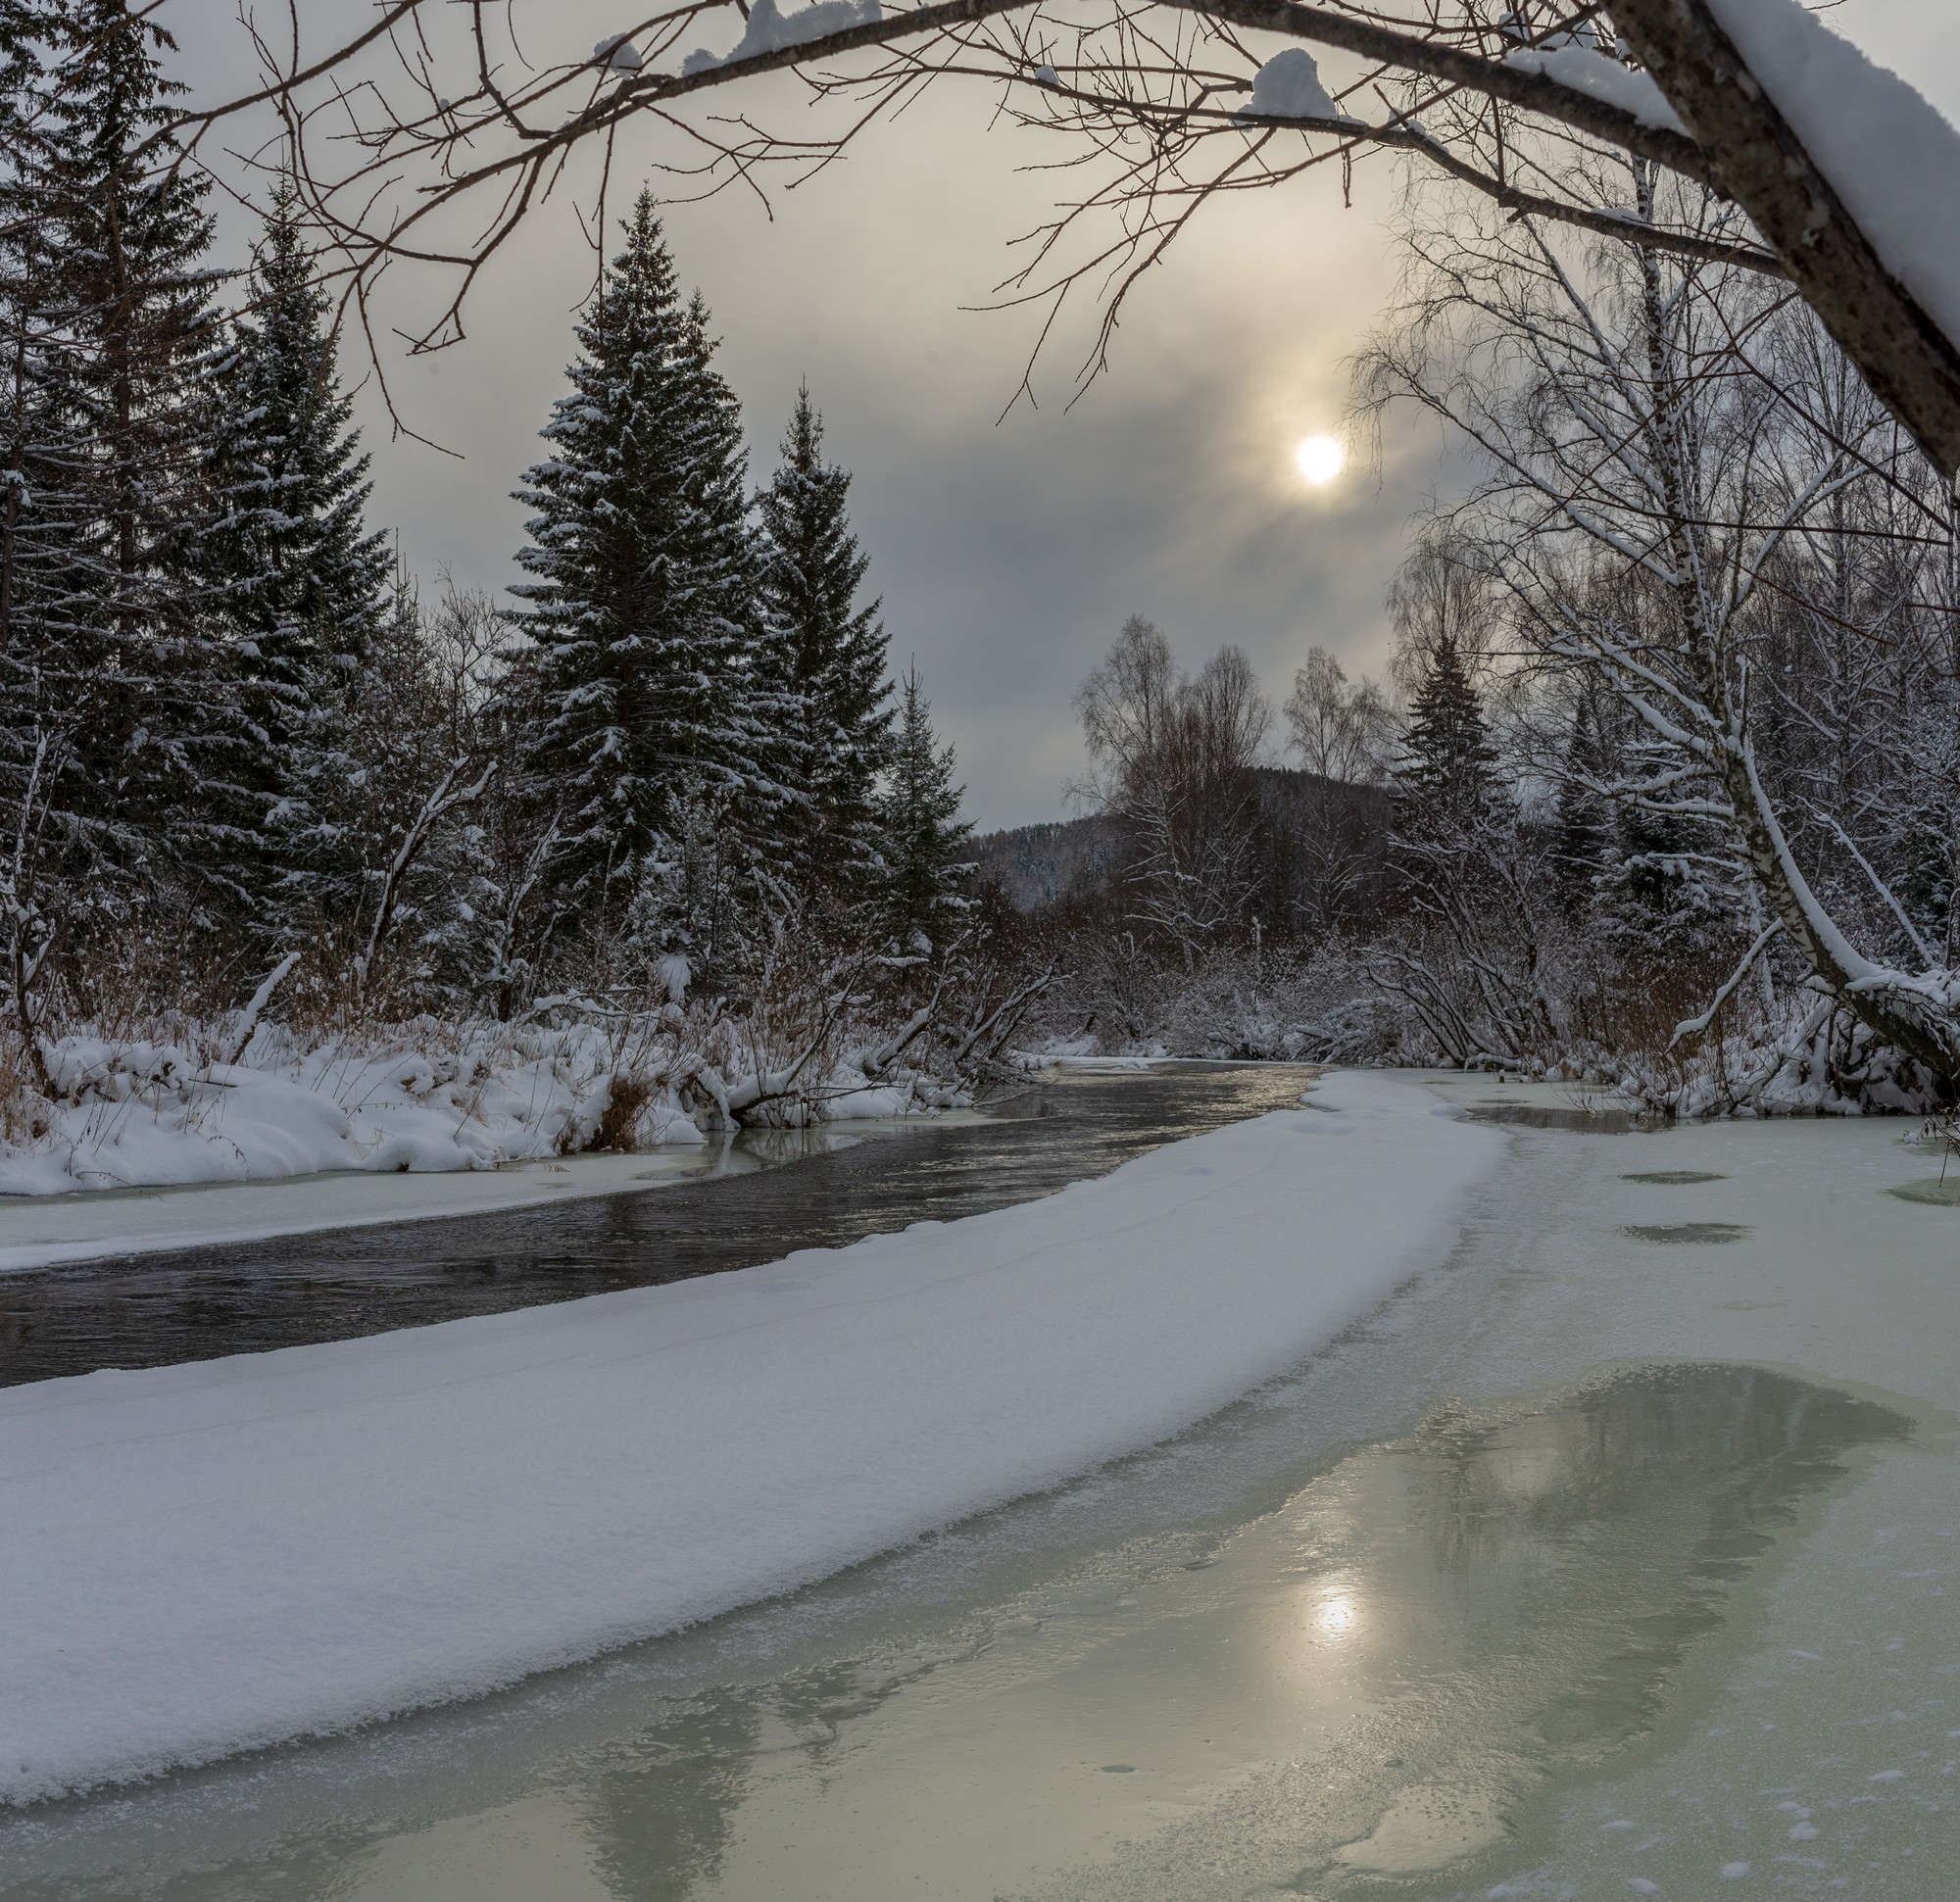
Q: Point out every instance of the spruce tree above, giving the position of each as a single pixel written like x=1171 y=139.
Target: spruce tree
x=160 y=738
x=299 y=575
x=924 y=838
x=40 y=563
x=646 y=606
x=833 y=653
x=1585 y=824
x=1449 y=766
x=289 y=567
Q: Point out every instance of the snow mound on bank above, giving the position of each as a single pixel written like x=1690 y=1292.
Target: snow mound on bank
x=205 y=1558
x=150 y=1114
x=431 y=1096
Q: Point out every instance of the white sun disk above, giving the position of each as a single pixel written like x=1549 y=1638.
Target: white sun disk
x=1320 y=459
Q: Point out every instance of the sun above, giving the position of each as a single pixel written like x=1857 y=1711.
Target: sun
x=1320 y=459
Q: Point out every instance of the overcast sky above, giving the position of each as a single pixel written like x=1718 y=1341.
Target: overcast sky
x=1007 y=551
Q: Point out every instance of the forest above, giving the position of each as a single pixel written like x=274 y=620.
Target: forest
x=1665 y=768
x=1658 y=792
x=660 y=829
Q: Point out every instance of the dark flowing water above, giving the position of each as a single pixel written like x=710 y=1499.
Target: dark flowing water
x=198 y=1303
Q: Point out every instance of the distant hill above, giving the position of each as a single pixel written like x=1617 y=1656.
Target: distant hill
x=1039 y=867
x=1313 y=830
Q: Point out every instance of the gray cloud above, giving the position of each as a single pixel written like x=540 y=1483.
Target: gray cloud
x=1007 y=555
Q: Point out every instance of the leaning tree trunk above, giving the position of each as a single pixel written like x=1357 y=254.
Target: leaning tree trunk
x=1916 y=1015
x=1757 y=159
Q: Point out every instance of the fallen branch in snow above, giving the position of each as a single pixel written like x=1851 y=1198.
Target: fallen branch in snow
x=248 y=1018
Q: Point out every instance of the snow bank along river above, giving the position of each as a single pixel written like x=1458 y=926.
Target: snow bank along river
x=1614 y=1556
x=222 y=1554
x=733 y=1208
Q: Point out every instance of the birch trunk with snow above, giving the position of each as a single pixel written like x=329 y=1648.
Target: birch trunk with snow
x=1648 y=470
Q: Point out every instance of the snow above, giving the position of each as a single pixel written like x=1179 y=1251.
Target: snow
x=769 y=30
x=144 y=1113
x=210 y=1557
x=617 y=54
x=1581 y=68
x=426 y=1098
x=1288 y=86
x=1888 y=152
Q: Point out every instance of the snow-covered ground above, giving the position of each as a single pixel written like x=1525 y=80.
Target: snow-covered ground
x=206 y=1557
x=426 y=1098
x=40 y=1231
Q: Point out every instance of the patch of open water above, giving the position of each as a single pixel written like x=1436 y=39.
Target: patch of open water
x=796 y=1190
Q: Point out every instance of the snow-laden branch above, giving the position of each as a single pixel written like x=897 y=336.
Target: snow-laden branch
x=1694 y=1026
x=248 y=1018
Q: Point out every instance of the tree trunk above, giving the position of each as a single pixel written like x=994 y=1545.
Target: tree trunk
x=1757 y=159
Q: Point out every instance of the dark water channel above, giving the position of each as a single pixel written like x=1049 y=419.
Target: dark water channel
x=198 y=1303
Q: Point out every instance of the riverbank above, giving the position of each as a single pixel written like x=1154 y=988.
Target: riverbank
x=213 y=1556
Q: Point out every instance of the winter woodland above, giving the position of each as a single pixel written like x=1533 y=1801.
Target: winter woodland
x=317 y=868
x=309 y=865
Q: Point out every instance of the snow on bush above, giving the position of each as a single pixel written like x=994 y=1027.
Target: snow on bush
x=424 y=1096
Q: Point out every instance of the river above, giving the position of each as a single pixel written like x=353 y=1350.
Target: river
x=761 y=1195
x=1614 y=1556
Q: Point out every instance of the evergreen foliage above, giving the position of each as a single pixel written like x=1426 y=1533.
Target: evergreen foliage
x=1585 y=821
x=291 y=572
x=646 y=604
x=116 y=304
x=295 y=568
x=925 y=840
x=1450 y=766
x=833 y=652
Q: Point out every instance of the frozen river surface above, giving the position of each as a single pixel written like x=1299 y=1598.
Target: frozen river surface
x=1615 y=1556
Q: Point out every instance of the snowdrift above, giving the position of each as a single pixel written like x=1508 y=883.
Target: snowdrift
x=205 y=1558
x=427 y=1096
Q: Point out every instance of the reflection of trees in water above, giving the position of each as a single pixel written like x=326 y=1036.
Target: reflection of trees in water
x=1529 y=1585
x=660 y=1817
x=1607 y=1528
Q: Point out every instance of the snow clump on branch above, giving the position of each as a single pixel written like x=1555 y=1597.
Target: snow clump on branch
x=1288 y=86
x=617 y=55
x=769 y=32
x=1581 y=69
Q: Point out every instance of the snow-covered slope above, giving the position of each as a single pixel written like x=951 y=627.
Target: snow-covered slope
x=204 y=1558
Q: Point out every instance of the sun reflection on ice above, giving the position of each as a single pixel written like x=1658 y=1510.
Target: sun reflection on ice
x=1336 y=1616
